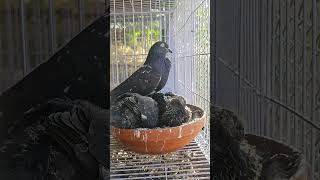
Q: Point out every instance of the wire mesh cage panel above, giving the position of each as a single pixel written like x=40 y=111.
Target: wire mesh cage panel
x=191 y=69
x=267 y=69
x=187 y=163
x=135 y=26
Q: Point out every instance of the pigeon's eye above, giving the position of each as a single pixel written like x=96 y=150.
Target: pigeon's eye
x=162 y=45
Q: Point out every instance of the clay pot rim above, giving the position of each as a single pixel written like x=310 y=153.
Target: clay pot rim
x=304 y=167
x=167 y=128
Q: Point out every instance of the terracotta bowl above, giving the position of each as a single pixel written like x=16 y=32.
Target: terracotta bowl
x=264 y=144
x=160 y=140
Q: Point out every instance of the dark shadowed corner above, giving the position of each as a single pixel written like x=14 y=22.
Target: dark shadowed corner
x=78 y=70
x=265 y=69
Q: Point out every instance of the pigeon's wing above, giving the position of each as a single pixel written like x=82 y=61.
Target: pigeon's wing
x=164 y=75
x=144 y=82
x=132 y=105
x=98 y=133
x=70 y=132
x=161 y=101
x=149 y=112
x=125 y=112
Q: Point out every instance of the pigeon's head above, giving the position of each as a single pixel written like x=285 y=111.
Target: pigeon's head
x=160 y=48
x=178 y=101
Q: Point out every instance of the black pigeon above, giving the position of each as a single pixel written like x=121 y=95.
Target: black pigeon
x=162 y=100
x=149 y=78
x=165 y=74
x=67 y=142
x=229 y=160
x=173 y=110
x=132 y=110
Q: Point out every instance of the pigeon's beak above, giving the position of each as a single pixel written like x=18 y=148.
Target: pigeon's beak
x=169 y=50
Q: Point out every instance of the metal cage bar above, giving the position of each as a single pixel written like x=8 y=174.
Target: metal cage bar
x=282 y=41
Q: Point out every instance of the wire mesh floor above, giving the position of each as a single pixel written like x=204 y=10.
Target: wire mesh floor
x=187 y=163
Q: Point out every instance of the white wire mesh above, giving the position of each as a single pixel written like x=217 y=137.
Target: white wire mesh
x=137 y=24
x=191 y=68
x=187 y=163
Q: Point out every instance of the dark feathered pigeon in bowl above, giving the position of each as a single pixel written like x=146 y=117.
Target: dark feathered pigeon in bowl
x=173 y=109
x=236 y=155
x=132 y=110
x=161 y=140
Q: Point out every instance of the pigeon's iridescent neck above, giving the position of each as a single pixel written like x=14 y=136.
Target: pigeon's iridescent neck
x=155 y=60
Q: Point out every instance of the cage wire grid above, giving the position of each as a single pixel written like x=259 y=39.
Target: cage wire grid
x=270 y=72
x=184 y=25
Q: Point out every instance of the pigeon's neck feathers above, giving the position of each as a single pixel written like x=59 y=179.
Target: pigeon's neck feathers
x=154 y=59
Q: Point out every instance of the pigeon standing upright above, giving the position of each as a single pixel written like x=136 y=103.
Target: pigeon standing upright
x=149 y=78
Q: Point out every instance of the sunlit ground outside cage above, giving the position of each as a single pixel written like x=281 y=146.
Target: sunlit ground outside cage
x=184 y=25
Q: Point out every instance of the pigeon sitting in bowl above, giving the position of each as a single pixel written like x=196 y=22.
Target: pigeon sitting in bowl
x=131 y=110
x=233 y=157
x=173 y=110
x=162 y=99
x=230 y=161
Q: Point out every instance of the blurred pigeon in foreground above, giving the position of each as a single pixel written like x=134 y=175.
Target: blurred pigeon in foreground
x=132 y=110
x=229 y=160
x=234 y=158
x=66 y=140
x=149 y=78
